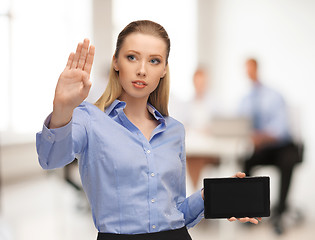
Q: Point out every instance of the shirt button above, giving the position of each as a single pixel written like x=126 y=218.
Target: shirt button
x=148 y=151
x=153 y=226
x=153 y=200
x=152 y=174
x=49 y=137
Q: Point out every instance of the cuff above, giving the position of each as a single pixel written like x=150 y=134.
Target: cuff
x=197 y=202
x=57 y=134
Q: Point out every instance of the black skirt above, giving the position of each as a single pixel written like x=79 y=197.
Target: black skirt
x=177 y=234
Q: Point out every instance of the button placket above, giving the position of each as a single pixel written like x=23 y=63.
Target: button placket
x=152 y=185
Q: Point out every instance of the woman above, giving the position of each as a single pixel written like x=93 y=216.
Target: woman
x=131 y=153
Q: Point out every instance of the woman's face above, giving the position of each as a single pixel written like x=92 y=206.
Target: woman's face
x=141 y=64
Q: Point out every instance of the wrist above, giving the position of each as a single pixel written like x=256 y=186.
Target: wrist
x=60 y=117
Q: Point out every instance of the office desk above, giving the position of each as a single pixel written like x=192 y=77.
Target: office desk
x=227 y=148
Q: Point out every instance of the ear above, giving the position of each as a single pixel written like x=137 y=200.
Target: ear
x=115 y=64
x=164 y=72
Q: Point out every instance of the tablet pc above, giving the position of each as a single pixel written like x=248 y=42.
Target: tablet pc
x=237 y=197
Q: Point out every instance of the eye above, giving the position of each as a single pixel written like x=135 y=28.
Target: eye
x=131 y=57
x=155 y=61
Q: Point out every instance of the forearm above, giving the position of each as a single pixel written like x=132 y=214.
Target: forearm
x=260 y=139
x=193 y=208
x=60 y=117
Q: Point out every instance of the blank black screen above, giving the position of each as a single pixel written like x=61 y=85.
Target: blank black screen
x=237 y=197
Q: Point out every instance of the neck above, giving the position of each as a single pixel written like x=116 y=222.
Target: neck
x=255 y=80
x=136 y=108
x=255 y=77
x=199 y=96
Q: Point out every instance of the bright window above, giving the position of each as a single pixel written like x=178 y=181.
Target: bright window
x=4 y=63
x=36 y=39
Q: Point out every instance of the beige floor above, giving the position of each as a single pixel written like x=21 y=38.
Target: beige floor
x=48 y=208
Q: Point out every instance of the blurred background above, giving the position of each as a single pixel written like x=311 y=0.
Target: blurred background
x=219 y=35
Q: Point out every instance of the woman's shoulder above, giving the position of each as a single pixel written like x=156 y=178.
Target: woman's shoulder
x=88 y=110
x=171 y=121
x=88 y=107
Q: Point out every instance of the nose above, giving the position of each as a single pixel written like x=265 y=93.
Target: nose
x=141 y=71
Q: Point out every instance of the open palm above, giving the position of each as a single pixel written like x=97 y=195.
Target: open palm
x=74 y=82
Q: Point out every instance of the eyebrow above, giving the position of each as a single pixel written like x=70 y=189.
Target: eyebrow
x=152 y=55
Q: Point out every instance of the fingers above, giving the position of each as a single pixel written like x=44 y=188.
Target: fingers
x=89 y=60
x=70 y=60
x=83 y=57
x=246 y=219
x=83 y=54
x=239 y=175
x=76 y=56
x=252 y=220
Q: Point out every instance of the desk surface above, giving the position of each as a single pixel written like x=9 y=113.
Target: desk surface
x=202 y=144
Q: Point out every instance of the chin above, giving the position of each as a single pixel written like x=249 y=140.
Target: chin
x=135 y=96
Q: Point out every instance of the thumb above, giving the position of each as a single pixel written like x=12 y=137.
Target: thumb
x=86 y=81
x=86 y=84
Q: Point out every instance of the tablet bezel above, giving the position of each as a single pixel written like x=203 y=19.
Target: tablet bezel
x=265 y=180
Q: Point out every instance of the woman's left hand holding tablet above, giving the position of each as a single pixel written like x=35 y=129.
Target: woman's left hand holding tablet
x=246 y=219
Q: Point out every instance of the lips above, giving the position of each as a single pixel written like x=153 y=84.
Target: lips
x=139 y=84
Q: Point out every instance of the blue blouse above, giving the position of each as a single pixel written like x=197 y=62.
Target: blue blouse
x=133 y=185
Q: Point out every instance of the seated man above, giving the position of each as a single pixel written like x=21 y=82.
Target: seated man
x=273 y=144
x=199 y=111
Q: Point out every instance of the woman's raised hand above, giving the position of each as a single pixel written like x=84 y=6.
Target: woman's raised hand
x=73 y=84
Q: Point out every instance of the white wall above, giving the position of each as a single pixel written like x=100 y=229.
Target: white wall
x=281 y=35
x=18 y=155
x=102 y=39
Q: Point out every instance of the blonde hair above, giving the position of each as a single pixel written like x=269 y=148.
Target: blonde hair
x=160 y=96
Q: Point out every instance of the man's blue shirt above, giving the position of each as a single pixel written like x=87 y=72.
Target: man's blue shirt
x=268 y=111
